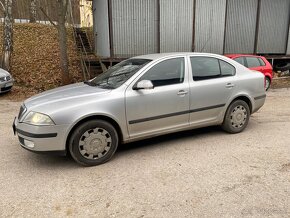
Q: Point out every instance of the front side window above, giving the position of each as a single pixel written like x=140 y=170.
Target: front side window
x=118 y=74
x=167 y=72
x=252 y=62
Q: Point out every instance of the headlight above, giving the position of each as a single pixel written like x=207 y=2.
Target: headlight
x=38 y=119
x=5 y=78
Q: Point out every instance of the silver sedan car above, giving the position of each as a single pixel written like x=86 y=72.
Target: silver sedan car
x=6 y=81
x=138 y=98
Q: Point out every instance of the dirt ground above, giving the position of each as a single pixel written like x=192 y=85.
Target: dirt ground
x=198 y=173
x=281 y=83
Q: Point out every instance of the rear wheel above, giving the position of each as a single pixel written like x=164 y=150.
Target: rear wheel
x=93 y=142
x=237 y=117
x=267 y=83
x=282 y=67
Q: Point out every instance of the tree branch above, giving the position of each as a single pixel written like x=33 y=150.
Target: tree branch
x=66 y=4
x=3 y=8
x=49 y=19
x=65 y=9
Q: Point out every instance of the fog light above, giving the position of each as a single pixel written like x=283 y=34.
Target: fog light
x=28 y=143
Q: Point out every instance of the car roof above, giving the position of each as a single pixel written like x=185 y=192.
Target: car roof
x=241 y=55
x=172 y=54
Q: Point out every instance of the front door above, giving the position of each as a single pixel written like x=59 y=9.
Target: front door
x=163 y=108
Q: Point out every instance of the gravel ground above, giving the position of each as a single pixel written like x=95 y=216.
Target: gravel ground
x=198 y=173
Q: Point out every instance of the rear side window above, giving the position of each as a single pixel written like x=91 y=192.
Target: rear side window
x=167 y=72
x=253 y=62
x=240 y=60
x=262 y=63
x=227 y=69
x=209 y=68
x=204 y=68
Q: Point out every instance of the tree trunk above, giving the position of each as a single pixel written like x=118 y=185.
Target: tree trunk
x=32 y=11
x=62 y=37
x=8 y=35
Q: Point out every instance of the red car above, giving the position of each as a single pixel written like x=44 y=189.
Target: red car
x=258 y=63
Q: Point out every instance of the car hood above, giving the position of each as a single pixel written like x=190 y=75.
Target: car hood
x=70 y=93
x=4 y=73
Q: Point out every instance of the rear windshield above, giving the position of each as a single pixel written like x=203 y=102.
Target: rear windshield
x=119 y=74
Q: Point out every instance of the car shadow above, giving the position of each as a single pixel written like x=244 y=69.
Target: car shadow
x=173 y=137
x=48 y=162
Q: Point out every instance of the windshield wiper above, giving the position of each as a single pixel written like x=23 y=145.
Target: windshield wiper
x=103 y=86
x=89 y=83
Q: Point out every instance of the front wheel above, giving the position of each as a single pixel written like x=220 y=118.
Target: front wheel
x=237 y=117
x=93 y=142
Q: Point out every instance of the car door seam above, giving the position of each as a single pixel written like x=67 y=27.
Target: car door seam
x=175 y=114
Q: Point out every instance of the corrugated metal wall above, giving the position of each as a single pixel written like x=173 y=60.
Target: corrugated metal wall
x=101 y=27
x=176 y=25
x=273 y=26
x=210 y=25
x=135 y=27
x=241 y=26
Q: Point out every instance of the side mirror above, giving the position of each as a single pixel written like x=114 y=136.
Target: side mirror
x=144 y=84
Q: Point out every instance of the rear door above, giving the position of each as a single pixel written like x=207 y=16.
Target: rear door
x=211 y=87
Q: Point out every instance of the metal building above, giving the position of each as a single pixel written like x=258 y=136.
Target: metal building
x=125 y=28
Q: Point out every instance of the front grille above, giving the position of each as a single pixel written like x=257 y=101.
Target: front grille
x=21 y=112
x=4 y=89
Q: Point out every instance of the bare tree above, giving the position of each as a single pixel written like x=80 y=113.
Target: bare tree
x=32 y=11
x=7 y=35
x=62 y=37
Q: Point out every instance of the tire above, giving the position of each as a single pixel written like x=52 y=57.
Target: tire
x=282 y=67
x=93 y=143
x=237 y=117
x=268 y=83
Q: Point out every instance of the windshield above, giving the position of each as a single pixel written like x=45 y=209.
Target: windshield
x=118 y=74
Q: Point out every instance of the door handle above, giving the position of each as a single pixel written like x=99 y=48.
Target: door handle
x=182 y=92
x=230 y=85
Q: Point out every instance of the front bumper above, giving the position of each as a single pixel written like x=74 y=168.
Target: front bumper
x=46 y=139
x=6 y=86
